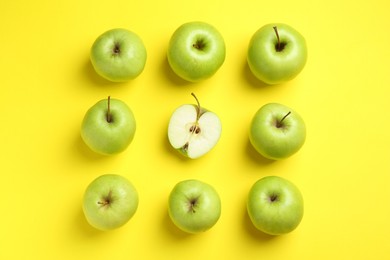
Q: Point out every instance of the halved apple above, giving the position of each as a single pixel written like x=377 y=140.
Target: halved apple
x=193 y=130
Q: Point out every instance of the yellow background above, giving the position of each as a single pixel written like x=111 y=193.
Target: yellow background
x=47 y=84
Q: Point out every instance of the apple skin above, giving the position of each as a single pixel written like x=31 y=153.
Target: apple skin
x=109 y=202
x=272 y=66
x=194 y=206
x=105 y=137
x=273 y=141
x=275 y=205
x=196 y=51
x=118 y=55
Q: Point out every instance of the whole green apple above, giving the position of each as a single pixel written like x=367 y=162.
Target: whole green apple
x=275 y=205
x=108 y=126
x=196 y=51
x=277 y=131
x=277 y=53
x=194 y=206
x=118 y=55
x=109 y=202
x=193 y=130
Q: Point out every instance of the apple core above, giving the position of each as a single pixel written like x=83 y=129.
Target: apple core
x=193 y=130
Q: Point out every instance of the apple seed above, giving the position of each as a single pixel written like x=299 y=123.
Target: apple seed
x=185 y=146
x=195 y=128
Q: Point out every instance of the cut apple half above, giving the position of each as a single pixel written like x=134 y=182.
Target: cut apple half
x=193 y=130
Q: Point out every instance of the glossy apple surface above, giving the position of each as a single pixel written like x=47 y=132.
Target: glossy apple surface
x=118 y=55
x=194 y=206
x=277 y=53
x=196 y=51
x=275 y=205
x=109 y=202
x=108 y=127
x=277 y=131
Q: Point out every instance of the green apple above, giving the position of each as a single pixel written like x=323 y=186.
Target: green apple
x=193 y=130
x=275 y=205
x=194 y=206
x=196 y=51
x=108 y=126
x=118 y=55
x=277 y=131
x=109 y=202
x=277 y=53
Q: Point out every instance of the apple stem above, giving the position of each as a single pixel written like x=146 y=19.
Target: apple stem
x=279 y=47
x=198 y=107
x=273 y=198
x=192 y=205
x=116 y=49
x=195 y=128
x=277 y=36
x=106 y=200
x=104 y=203
x=109 y=118
x=279 y=123
x=198 y=45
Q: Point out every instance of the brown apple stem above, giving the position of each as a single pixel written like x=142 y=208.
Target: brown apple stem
x=277 y=36
x=108 y=116
x=193 y=202
x=273 y=198
x=289 y=112
x=198 y=107
x=106 y=200
x=279 y=124
x=104 y=203
x=198 y=45
x=116 y=49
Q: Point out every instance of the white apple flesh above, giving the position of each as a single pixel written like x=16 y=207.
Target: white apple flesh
x=194 y=131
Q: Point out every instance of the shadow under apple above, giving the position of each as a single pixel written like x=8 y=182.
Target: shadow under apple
x=251 y=230
x=255 y=156
x=97 y=80
x=172 y=230
x=82 y=149
x=84 y=227
x=250 y=78
x=171 y=76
